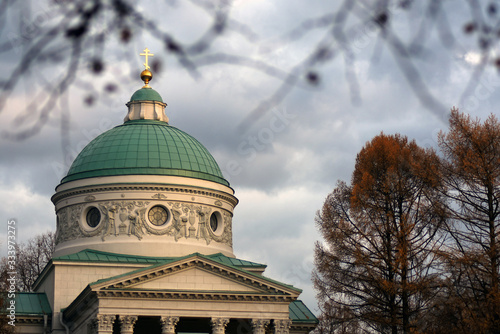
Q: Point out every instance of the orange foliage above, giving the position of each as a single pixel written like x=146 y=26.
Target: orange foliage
x=412 y=245
x=472 y=175
x=379 y=234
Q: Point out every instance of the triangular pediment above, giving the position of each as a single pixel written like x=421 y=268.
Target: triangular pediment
x=192 y=279
x=194 y=274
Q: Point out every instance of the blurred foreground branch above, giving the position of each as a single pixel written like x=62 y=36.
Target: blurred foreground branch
x=54 y=49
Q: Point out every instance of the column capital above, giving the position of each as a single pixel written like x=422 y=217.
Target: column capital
x=127 y=323
x=259 y=325
x=219 y=325
x=168 y=324
x=282 y=326
x=103 y=323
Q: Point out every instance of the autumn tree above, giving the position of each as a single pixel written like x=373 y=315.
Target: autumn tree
x=31 y=258
x=376 y=265
x=471 y=150
x=334 y=320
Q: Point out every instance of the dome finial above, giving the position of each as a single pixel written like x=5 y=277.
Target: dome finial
x=146 y=75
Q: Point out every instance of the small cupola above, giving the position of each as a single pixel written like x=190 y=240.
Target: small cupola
x=146 y=103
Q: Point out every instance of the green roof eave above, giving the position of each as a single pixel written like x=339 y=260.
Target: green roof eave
x=90 y=255
x=231 y=261
x=32 y=304
x=299 y=313
x=94 y=256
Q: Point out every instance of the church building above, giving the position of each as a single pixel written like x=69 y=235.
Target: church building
x=144 y=242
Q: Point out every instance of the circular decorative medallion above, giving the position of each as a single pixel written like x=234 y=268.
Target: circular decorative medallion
x=214 y=222
x=93 y=217
x=158 y=215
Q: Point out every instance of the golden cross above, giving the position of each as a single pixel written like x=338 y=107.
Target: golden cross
x=146 y=54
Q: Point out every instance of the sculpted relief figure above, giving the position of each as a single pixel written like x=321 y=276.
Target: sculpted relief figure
x=175 y=227
x=178 y=226
x=134 y=226
x=68 y=224
x=109 y=220
x=137 y=221
x=227 y=235
x=202 y=232
x=61 y=219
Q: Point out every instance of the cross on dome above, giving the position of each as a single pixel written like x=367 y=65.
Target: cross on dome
x=146 y=54
x=146 y=75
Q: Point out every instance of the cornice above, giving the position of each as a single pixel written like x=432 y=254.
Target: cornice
x=31 y=320
x=195 y=296
x=169 y=189
x=303 y=327
x=88 y=298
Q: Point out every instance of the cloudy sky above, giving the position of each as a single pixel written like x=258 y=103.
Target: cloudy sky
x=281 y=163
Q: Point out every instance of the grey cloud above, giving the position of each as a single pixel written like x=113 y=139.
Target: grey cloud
x=309 y=151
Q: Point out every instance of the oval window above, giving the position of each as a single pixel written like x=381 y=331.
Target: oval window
x=214 y=221
x=93 y=217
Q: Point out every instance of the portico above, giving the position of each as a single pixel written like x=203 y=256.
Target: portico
x=195 y=293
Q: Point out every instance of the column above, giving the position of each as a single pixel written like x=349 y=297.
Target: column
x=282 y=326
x=128 y=322
x=219 y=325
x=168 y=324
x=259 y=326
x=103 y=324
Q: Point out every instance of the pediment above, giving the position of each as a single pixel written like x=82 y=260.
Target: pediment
x=192 y=279
x=194 y=274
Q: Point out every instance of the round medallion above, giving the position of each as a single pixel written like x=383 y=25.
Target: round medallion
x=214 y=222
x=158 y=215
x=93 y=217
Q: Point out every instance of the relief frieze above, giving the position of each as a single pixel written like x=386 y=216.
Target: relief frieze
x=118 y=218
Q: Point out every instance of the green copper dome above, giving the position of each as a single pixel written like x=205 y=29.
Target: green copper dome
x=146 y=94
x=145 y=147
